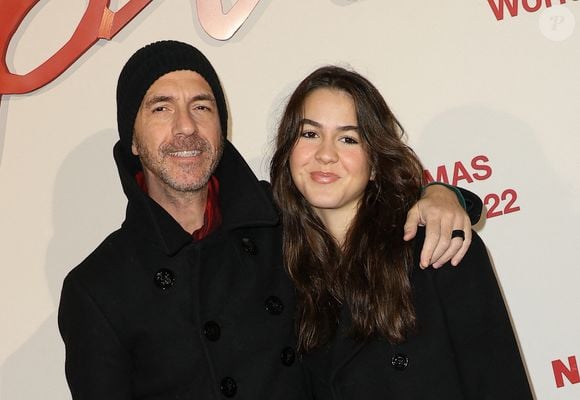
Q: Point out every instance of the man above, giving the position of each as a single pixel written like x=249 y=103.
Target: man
x=189 y=298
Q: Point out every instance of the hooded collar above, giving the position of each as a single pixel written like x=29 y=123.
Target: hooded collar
x=243 y=201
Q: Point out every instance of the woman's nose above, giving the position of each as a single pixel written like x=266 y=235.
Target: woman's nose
x=326 y=152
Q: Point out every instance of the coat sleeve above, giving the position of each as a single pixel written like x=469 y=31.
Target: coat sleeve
x=96 y=366
x=486 y=351
x=473 y=205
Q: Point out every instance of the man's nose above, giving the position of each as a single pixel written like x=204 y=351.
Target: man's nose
x=184 y=122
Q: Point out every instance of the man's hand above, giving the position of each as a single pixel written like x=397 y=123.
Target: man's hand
x=440 y=212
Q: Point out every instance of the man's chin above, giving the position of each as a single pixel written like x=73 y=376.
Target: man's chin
x=188 y=185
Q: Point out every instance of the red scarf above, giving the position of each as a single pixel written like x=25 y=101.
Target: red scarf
x=212 y=217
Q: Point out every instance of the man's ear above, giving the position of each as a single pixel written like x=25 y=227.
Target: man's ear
x=134 y=148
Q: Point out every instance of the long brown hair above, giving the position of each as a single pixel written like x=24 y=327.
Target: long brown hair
x=369 y=274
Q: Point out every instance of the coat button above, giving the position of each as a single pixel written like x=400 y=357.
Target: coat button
x=249 y=246
x=399 y=361
x=164 y=278
x=288 y=356
x=211 y=330
x=228 y=387
x=274 y=305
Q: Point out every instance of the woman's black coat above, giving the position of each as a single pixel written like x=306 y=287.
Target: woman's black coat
x=464 y=347
x=151 y=314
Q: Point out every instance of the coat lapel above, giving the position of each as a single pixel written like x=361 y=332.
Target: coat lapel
x=343 y=348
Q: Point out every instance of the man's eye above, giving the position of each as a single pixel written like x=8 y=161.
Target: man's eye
x=159 y=108
x=201 y=107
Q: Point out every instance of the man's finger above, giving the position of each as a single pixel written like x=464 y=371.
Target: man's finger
x=465 y=245
x=413 y=220
x=443 y=246
x=455 y=245
x=432 y=237
x=446 y=223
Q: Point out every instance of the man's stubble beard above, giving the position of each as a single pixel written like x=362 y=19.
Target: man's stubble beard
x=161 y=167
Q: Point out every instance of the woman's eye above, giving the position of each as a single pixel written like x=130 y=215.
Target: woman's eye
x=308 y=134
x=349 y=140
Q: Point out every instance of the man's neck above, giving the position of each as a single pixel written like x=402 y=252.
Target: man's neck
x=187 y=208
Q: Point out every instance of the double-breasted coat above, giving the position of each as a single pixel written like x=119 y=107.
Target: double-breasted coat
x=464 y=347
x=152 y=314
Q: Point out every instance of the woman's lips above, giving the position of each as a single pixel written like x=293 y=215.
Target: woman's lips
x=323 y=177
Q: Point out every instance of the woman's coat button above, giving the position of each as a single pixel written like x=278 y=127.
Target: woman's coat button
x=400 y=361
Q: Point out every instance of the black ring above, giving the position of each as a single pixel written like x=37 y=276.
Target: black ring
x=458 y=233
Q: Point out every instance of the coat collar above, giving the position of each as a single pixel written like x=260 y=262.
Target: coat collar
x=243 y=201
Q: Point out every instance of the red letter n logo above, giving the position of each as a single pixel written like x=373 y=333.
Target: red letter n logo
x=569 y=371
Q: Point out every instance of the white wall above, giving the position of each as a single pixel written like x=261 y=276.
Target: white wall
x=463 y=83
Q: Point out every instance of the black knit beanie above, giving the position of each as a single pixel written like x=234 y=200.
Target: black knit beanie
x=150 y=63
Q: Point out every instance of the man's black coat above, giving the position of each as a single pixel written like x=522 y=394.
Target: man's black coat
x=151 y=314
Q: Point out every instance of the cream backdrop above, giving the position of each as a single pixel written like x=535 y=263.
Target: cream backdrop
x=494 y=103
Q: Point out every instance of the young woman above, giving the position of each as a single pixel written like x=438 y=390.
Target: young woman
x=371 y=323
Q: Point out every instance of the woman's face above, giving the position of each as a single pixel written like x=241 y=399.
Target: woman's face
x=329 y=164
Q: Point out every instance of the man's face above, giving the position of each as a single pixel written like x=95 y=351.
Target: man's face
x=177 y=133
